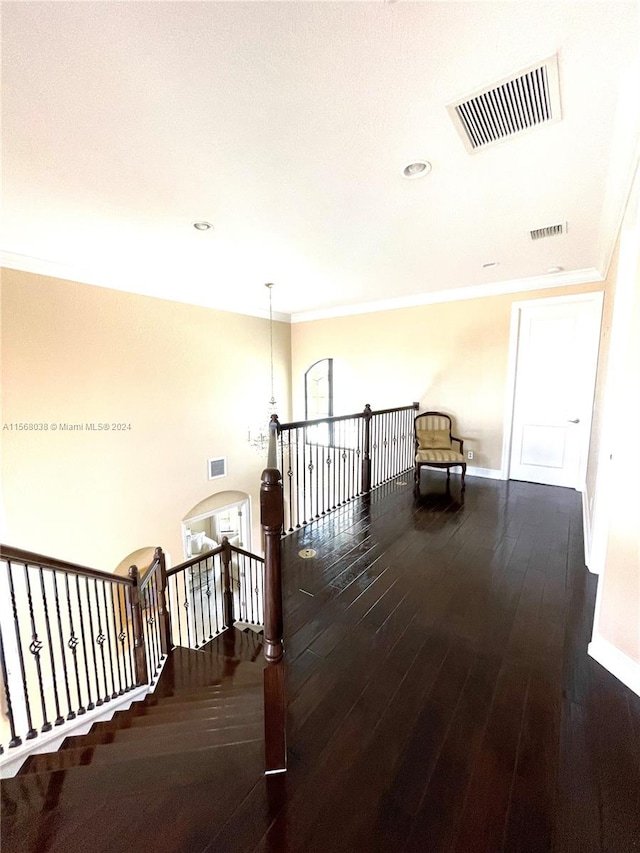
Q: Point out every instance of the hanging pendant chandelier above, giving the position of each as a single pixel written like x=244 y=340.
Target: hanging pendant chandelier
x=258 y=437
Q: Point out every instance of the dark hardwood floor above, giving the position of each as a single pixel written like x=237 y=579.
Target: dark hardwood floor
x=440 y=699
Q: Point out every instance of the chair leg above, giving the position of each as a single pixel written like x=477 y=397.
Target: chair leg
x=464 y=471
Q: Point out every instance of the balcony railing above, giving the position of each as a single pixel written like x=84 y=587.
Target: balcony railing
x=329 y=461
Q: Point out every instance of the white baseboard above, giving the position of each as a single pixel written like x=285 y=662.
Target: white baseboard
x=487 y=473
x=620 y=665
x=14 y=758
x=587 y=530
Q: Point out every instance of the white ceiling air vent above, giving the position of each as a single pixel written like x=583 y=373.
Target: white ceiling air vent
x=549 y=231
x=217 y=467
x=511 y=106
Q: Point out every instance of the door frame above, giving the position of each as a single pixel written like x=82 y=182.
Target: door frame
x=246 y=518
x=594 y=296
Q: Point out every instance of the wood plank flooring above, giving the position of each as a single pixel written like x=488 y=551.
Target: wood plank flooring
x=440 y=697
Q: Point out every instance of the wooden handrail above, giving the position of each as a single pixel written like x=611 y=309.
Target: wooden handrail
x=8 y=552
x=336 y=418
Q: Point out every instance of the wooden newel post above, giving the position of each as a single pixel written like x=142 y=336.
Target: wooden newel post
x=366 y=450
x=139 y=652
x=271 y=516
x=227 y=596
x=163 y=609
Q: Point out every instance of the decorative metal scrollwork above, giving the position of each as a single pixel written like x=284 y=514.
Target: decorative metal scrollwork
x=100 y=638
x=73 y=642
x=35 y=646
x=122 y=636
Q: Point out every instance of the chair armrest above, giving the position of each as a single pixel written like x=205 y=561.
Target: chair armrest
x=460 y=442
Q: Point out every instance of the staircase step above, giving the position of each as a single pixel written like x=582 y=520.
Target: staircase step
x=169 y=729
x=224 y=713
x=183 y=709
x=113 y=753
x=217 y=767
x=224 y=689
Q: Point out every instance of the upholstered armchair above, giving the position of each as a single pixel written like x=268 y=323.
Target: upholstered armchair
x=435 y=445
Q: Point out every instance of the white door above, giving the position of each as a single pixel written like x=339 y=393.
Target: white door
x=557 y=354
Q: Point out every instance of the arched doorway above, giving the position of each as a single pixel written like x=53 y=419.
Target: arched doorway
x=209 y=521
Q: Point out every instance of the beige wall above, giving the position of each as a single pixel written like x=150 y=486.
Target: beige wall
x=618 y=609
x=451 y=357
x=188 y=380
x=597 y=421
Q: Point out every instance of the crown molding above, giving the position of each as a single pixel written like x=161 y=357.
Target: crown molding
x=523 y=285
x=53 y=269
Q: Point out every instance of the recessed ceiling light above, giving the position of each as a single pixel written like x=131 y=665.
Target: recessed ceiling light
x=490 y=264
x=555 y=269
x=203 y=226
x=418 y=169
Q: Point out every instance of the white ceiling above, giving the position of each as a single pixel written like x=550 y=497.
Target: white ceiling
x=287 y=126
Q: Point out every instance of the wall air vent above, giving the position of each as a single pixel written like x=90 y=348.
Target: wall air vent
x=548 y=231
x=507 y=108
x=217 y=467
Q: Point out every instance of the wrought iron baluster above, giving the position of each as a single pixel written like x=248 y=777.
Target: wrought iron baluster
x=56 y=699
x=344 y=466
x=316 y=472
x=185 y=604
x=353 y=490
x=172 y=585
x=114 y=693
x=297 y=476
x=289 y=475
x=113 y=639
x=16 y=740
x=209 y=574
x=72 y=642
x=152 y=620
x=253 y=571
x=100 y=640
x=359 y=456
x=71 y=714
x=201 y=601
x=217 y=572
x=128 y=679
x=154 y=624
x=244 y=586
x=35 y=647
x=92 y=635
x=156 y=628
x=194 y=603
x=85 y=652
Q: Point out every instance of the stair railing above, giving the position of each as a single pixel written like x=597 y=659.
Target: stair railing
x=71 y=640
x=213 y=591
x=327 y=462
